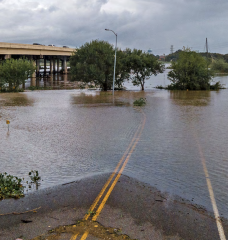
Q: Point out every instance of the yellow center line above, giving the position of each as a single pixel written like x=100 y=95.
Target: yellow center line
x=111 y=177
x=131 y=147
x=211 y=193
x=85 y=235
x=74 y=237
x=118 y=175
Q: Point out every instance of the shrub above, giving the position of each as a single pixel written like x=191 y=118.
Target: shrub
x=10 y=186
x=140 y=102
x=190 y=71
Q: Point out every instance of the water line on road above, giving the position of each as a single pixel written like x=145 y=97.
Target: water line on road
x=126 y=156
x=112 y=175
x=211 y=192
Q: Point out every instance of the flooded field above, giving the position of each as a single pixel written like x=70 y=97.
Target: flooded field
x=70 y=134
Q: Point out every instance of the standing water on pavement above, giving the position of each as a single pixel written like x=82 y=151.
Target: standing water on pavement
x=71 y=134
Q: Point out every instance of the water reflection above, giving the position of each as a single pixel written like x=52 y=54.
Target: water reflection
x=94 y=98
x=194 y=98
x=55 y=81
x=15 y=99
x=63 y=81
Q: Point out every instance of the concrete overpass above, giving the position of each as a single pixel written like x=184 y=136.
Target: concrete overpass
x=53 y=55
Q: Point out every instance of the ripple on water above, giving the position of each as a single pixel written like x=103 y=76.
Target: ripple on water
x=68 y=135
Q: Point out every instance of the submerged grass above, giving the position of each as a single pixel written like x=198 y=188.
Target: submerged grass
x=140 y=102
x=212 y=87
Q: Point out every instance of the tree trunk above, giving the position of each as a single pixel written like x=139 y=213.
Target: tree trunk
x=10 y=86
x=105 y=84
x=142 y=85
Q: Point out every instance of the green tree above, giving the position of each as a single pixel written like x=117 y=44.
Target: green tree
x=94 y=63
x=190 y=71
x=142 y=65
x=219 y=65
x=15 y=72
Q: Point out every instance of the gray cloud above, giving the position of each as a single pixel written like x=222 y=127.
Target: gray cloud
x=140 y=24
x=53 y=8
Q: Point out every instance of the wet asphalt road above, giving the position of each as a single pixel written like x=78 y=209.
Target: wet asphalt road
x=135 y=209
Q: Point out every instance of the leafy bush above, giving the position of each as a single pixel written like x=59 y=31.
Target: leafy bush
x=10 y=186
x=5 y=89
x=14 y=72
x=190 y=72
x=160 y=87
x=140 y=102
x=217 y=86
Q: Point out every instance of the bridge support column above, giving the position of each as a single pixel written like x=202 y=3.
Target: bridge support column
x=34 y=74
x=51 y=66
x=37 y=67
x=33 y=78
x=54 y=65
x=45 y=66
x=57 y=65
x=64 y=66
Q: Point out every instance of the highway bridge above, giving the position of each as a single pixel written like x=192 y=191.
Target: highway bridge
x=51 y=55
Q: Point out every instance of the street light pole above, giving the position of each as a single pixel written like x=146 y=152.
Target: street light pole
x=114 y=61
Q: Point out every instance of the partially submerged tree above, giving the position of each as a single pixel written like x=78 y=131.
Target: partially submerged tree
x=142 y=65
x=15 y=72
x=190 y=71
x=94 y=63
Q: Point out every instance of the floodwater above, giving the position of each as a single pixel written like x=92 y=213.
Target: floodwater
x=70 y=134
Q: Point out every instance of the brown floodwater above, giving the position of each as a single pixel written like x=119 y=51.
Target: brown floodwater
x=71 y=134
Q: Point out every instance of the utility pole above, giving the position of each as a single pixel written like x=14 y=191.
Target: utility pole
x=207 y=56
x=207 y=48
x=171 y=49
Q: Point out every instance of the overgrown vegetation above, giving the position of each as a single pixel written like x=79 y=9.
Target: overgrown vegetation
x=160 y=87
x=216 y=86
x=6 y=89
x=10 y=186
x=14 y=72
x=140 y=102
x=190 y=71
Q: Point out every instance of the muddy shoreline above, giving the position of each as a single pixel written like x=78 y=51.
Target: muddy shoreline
x=137 y=209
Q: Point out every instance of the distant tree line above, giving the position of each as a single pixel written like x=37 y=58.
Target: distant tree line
x=216 y=61
x=211 y=56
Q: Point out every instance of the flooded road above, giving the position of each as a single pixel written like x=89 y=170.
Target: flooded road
x=70 y=134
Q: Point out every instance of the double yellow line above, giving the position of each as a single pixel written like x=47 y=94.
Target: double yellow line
x=121 y=165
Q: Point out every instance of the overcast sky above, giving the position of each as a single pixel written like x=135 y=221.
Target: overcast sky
x=145 y=24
